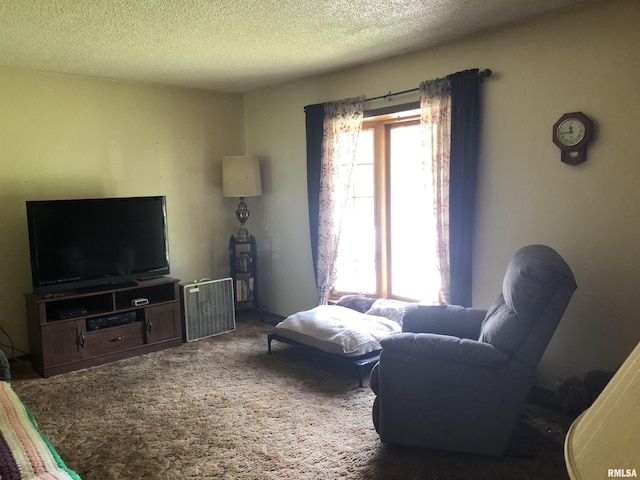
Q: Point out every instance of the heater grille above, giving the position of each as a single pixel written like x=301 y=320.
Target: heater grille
x=208 y=308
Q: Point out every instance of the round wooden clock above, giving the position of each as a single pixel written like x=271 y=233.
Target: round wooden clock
x=571 y=133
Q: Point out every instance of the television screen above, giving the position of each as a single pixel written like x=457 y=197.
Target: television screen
x=95 y=242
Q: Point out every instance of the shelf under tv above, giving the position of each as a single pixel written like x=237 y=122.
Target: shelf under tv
x=61 y=345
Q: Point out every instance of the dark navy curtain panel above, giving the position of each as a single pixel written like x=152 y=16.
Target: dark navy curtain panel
x=465 y=140
x=314 y=123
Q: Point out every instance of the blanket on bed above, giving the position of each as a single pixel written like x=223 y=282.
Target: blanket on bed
x=337 y=329
x=25 y=454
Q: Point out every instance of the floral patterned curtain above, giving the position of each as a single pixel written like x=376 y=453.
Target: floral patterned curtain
x=435 y=121
x=341 y=128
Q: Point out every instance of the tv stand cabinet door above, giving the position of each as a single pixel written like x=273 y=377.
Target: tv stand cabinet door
x=163 y=322
x=64 y=342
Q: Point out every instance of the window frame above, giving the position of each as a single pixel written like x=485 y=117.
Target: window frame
x=382 y=122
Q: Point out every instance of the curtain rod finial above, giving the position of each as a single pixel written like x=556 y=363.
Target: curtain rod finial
x=486 y=73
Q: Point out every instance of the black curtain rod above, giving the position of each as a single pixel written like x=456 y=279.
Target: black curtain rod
x=486 y=73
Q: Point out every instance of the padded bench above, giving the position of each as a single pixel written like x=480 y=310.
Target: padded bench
x=350 y=330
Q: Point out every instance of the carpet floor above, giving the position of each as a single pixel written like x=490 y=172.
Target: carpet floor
x=223 y=408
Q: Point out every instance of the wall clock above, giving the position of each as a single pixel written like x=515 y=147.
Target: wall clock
x=571 y=133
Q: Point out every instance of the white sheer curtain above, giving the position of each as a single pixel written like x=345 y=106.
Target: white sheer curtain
x=341 y=128
x=435 y=120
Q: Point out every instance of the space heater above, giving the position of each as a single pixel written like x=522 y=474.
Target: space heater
x=208 y=308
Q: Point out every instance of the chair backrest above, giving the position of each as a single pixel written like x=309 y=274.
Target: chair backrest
x=536 y=290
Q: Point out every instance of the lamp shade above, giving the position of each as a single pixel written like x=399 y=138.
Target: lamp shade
x=603 y=441
x=241 y=176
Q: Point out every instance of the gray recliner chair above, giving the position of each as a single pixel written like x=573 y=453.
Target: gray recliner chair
x=459 y=379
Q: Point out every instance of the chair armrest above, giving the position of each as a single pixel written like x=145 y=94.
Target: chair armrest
x=444 y=348
x=374 y=379
x=443 y=320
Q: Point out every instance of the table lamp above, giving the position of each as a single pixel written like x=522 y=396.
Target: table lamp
x=241 y=178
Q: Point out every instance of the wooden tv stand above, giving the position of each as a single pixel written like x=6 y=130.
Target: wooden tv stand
x=78 y=329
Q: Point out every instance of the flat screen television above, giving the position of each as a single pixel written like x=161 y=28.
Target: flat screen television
x=97 y=242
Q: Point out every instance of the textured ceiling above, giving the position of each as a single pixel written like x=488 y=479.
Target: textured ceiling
x=236 y=45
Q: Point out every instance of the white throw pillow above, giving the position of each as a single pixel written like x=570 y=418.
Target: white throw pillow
x=391 y=309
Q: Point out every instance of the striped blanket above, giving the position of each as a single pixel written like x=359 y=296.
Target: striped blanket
x=25 y=453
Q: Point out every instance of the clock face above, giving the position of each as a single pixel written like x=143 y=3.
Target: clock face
x=571 y=131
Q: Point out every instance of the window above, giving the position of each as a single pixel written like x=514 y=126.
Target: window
x=387 y=240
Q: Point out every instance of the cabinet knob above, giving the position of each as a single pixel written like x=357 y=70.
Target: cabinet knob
x=117 y=339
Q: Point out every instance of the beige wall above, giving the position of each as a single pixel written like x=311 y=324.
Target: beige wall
x=584 y=59
x=71 y=137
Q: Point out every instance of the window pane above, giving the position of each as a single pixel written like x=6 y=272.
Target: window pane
x=413 y=269
x=356 y=266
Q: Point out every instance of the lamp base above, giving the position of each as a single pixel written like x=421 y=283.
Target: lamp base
x=243 y=235
x=242 y=214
